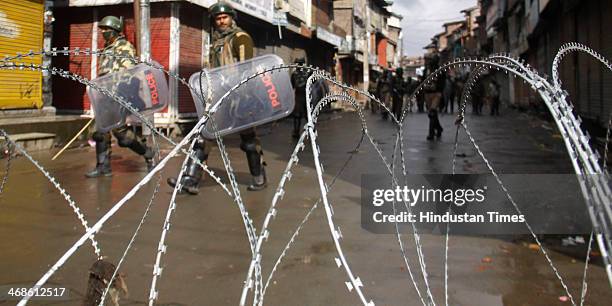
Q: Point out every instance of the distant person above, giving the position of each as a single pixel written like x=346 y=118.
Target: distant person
x=494 y=97
x=448 y=94
x=385 y=92
x=478 y=95
x=373 y=89
x=410 y=85
x=458 y=89
x=433 y=100
x=299 y=79
x=420 y=98
x=399 y=90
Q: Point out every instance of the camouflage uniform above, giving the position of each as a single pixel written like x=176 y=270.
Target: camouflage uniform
x=385 y=91
x=433 y=99
x=125 y=135
x=120 y=47
x=228 y=47
x=399 y=89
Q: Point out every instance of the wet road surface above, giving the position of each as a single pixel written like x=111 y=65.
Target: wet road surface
x=208 y=253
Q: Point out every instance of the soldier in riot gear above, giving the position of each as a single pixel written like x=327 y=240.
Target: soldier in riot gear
x=385 y=91
x=298 y=80
x=230 y=44
x=111 y=28
x=399 y=89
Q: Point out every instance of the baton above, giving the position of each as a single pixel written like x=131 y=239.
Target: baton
x=73 y=139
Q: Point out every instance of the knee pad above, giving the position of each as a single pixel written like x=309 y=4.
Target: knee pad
x=200 y=143
x=202 y=148
x=100 y=136
x=250 y=146
x=126 y=138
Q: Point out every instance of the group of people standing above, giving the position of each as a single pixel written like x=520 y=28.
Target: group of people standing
x=437 y=97
x=392 y=90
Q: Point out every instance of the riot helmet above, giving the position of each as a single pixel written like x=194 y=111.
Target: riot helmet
x=222 y=7
x=111 y=23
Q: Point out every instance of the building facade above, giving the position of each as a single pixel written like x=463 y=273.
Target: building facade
x=347 y=38
x=535 y=30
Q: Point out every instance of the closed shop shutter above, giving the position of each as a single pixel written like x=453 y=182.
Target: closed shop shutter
x=582 y=73
x=190 y=60
x=382 y=53
x=21 y=30
x=73 y=28
x=595 y=98
x=569 y=64
x=606 y=51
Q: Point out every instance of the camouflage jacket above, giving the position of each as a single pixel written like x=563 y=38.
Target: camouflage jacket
x=231 y=46
x=110 y=64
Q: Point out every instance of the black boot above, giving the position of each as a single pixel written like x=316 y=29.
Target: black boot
x=189 y=185
x=250 y=145
x=258 y=171
x=260 y=182
x=103 y=167
x=297 y=125
x=193 y=174
x=148 y=156
x=433 y=117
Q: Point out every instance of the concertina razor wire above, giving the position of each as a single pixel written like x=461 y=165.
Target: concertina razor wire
x=585 y=162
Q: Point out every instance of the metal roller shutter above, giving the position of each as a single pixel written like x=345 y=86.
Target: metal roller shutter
x=21 y=30
x=594 y=67
x=606 y=51
x=72 y=29
x=190 y=52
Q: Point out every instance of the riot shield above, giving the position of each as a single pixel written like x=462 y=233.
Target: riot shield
x=144 y=87
x=262 y=99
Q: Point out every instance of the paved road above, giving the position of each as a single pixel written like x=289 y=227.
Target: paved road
x=208 y=253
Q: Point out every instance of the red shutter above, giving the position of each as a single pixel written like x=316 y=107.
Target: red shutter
x=382 y=53
x=160 y=35
x=190 y=59
x=73 y=29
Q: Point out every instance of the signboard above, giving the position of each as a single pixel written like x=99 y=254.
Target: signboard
x=359 y=9
x=280 y=18
x=204 y=3
x=297 y=8
x=329 y=37
x=262 y=9
x=347 y=45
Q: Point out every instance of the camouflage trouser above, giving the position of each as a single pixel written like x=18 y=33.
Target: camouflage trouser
x=386 y=99
x=398 y=103
x=125 y=138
